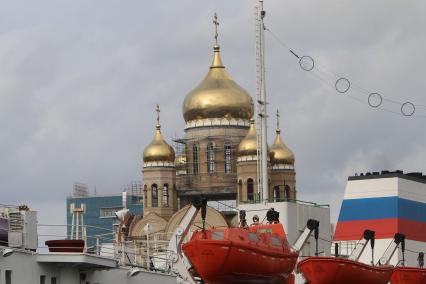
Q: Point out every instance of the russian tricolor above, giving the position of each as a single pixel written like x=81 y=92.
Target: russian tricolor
x=384 y=215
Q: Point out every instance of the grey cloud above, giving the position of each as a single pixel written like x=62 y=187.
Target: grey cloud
x=79 y=81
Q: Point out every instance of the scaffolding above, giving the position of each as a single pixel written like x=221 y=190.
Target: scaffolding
x=134 y=188
x=181 y=145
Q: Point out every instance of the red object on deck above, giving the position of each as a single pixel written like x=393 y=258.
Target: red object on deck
x=258 y=254
x=330 y=270
x=411 y=275
x=65 y=245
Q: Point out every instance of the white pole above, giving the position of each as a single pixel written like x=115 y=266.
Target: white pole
x=72 y=226
x=83 y=231
x=147 y=250
x=262 y=109
x=77 y=226
x=98 y=249
x=123 y=259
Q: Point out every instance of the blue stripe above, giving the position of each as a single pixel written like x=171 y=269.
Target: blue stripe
x=382 y=208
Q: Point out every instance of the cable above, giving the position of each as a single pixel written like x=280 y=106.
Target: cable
x=373 y=99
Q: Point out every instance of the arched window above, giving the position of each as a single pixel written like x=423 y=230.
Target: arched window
x=287 y=192
x=195 y=159
x=210 y=158
x=166 y=195
x=154 y=195
x=250 y=189
x=228 y=161
x=276 y=193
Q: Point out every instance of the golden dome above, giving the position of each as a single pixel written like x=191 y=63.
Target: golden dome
x=280 y=153
x=158 y=150
x=248 y=146
x=217 y=96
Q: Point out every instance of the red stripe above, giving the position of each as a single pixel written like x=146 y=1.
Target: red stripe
x=384 y=228
x=413 y=230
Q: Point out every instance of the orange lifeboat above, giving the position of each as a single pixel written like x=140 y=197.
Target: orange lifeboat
x=412 y=275
x=336 y=270
x=257 y=254
x=330 y=270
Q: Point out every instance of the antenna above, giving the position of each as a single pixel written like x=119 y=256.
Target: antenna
x=262 y=152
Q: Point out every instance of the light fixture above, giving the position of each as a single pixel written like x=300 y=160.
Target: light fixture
x=7 y=252
x=134 y=271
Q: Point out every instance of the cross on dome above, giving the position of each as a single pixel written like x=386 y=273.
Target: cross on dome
x=278 y=119
x=157 y=109
x=216 y=24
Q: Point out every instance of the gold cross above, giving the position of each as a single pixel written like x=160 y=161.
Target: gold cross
x=157 y=109
x=278 y=119
x=216 y=24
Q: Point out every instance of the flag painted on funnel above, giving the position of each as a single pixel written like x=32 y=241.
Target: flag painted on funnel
x=384 y=215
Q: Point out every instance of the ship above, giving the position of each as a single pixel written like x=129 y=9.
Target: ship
x=335 y=270
x=228 y=254
x=412 y=275
x=247 y=254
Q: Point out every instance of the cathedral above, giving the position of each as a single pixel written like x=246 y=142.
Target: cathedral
x=218 y=157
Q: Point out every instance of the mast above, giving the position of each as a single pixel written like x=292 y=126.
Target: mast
x=262 y=152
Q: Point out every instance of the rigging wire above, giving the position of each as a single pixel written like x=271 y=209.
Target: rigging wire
x=343 y=86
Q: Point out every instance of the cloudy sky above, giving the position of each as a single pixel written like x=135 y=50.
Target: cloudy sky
x=79 y=81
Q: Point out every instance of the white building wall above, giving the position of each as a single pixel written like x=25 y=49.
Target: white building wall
x=386 y=187
x=26 y=270
x=371 y=188
x=294 y=216
x=412 y=190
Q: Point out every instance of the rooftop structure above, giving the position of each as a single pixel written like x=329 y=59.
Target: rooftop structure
x=387 y=203
x=99 y=218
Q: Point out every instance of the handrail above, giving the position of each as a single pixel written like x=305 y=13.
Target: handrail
x=257 y=201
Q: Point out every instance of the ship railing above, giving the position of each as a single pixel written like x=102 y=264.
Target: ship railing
x=150 y=253
x=278 y=200
x=223 y=205
x=98 y=244
x=345 y=248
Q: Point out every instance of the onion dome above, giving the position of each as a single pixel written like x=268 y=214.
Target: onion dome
x=159 y=151
x=248 y=146
x=280 y=153
x=217 y=96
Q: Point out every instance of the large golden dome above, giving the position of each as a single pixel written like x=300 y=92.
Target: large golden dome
x=217 y=96
x=248 y=146
x=280 y=153
x=158 y=150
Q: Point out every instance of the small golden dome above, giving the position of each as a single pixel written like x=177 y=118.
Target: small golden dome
x=217 y=96
x=248 y=146
x=280 y=153
x=158 y=150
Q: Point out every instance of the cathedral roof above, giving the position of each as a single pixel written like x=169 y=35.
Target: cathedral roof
x=218 y=95
x=280 y=153
x=248 y=146
x=158 y=150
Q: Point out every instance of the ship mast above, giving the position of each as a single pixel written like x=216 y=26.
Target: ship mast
x=262 y=151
